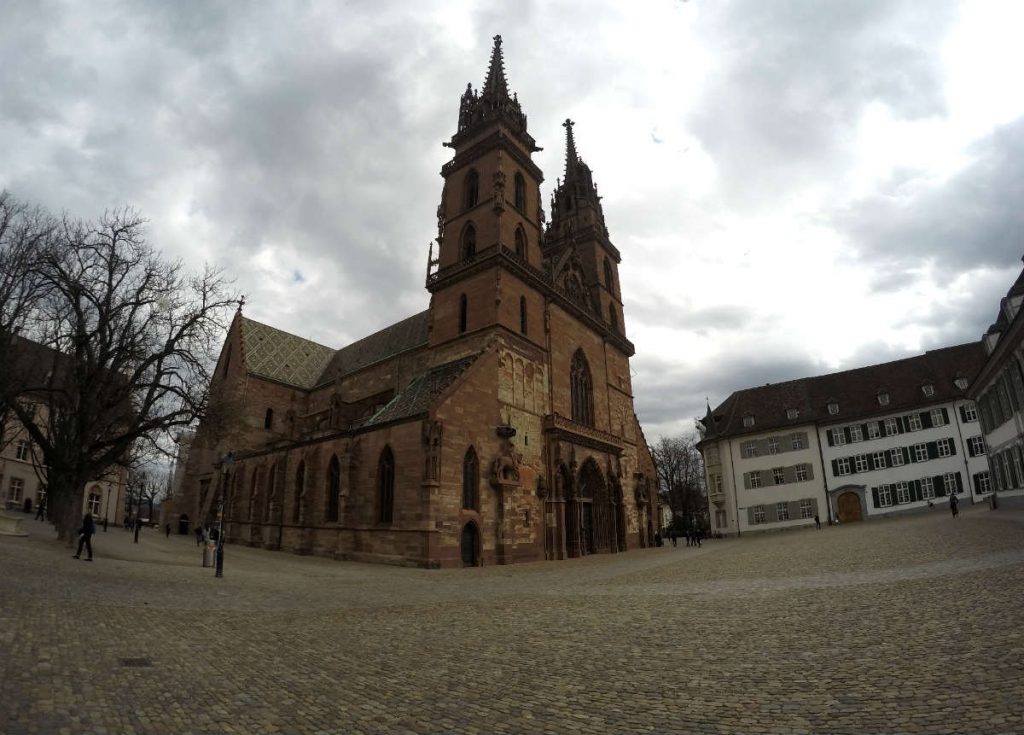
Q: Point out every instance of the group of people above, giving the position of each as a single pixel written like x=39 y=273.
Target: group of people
x=693 y=533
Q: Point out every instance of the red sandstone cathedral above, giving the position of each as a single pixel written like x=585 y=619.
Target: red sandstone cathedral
x=495 y=427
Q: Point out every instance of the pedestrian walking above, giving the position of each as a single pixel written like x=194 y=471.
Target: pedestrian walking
x=104 y=524
x=817 y=522
x=199 y=535
x=954 y=503
x=696 y=534
x=85 y=536
x=41 y=511
x=673 y=535
x=167 y=529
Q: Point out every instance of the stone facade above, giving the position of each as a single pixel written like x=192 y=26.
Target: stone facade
x=495 y=427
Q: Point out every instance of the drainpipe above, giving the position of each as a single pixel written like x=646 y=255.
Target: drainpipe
x=824 y=478
x=735 y=489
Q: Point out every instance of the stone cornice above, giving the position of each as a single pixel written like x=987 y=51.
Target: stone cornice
x=587 y=436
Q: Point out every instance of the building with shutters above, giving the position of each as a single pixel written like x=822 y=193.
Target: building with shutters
x=873 y=441
x=497 y=426
x=998 y=391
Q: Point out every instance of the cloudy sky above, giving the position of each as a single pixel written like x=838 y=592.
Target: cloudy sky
x=795 y=187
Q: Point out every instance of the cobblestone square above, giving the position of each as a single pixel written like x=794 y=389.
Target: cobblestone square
x=908 y=625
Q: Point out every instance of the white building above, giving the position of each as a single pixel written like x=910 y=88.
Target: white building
x=999 y=392
x=872 y=441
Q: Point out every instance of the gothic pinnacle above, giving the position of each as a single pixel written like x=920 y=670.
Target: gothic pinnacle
x=571 y=157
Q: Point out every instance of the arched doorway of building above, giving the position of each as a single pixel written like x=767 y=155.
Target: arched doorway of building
x=599 y=522
x=470 y=545
x=848 y=508
x=183 y=524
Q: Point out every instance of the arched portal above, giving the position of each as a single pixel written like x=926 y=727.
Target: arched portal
x=591 y=518
x=470 y=545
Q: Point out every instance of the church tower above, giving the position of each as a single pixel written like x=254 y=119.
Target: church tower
x=489 y=219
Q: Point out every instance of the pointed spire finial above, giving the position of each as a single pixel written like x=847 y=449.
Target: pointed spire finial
x=496 y=87
x=571 y=157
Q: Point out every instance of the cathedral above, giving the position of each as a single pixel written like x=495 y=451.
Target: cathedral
x=495 y=427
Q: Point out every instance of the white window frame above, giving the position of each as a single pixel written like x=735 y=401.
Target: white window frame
x=93 y=503
x=838 y=436
x=16 y=490
x=885 y=496
x=937 y=418
x=880 y=460
x=896 y=457
x=970 y=412
x=944 y=447
x=961 y=383
x=755 y=478
x=779 y=475
x=984 y=482
x=801 y=473
x=782 y=511
x=860 y=463
x=892 y=427
x=873 y=431
x=914 y=422
x=921 y=452
x=927 y=488
x=748 y=421
x=773 y=445
x=883 y=399
x=949 y=480
x=902 y=492
x=750 y=449
x=976 y=445
x=928 y=389
x=843 y=466
x=792 y=413
x=856 y=433
x=833 y=408
x=718 y=484
x=22 y=450
x=759 y=514
x=713 y=455
x=1017 y=464
x=797 y=442
x=806 y=508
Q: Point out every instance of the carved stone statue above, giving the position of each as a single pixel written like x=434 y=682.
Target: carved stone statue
x=432 y=431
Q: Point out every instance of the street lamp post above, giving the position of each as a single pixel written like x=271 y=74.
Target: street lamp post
x=229 y=460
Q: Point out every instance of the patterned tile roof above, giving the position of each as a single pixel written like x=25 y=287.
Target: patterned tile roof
x=420 y=393
x=390 y=341
x=855 y=391
x=278 y=355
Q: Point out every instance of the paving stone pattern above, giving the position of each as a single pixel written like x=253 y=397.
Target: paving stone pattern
x=909 y=625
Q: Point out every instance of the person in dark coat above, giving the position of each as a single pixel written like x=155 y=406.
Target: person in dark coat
x=85 y=536
x=954 y=503
x=167 y=528
x=817 y=522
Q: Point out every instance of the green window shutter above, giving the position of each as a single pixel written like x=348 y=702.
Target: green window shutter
x=906 y=455
x=915 y=489
x=835 y=468
x=810 y=471
x=940 y=486
x=794 y=510
x=750 y=516
x=926 y=420
x=789 y=473
x=959 y=484
x=814 y=506
x=874 y=496
x=746 y=480
x=846 y=433
x=828 y=435
x=770 y=514
x=902 y=425
x=933 y=450
x=952 y=447
x=945 y=414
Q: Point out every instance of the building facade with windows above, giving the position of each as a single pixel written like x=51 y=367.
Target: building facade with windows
x=496 y=426
x=998 y=391
x=872 y=441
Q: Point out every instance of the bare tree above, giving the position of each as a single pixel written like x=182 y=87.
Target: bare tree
x=681 y=475
x=144 y=487
x=25 y=232
x=123 y=342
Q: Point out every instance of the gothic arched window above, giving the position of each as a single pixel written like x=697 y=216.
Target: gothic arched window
x=582 y=390
x=470 y=480
x=254 y=495
x=271 y=494
x=471 y=189
x=520 y=242
x=300 y=492
x=333 y=488
x=386 y=486
x=268 y=419
x=468 y=242
x=520 y=192
x=522 y=314
x=463 y=313
x=613 y=317
x=609 y=280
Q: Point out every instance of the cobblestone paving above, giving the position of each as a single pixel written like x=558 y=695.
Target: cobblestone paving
x=909 y=625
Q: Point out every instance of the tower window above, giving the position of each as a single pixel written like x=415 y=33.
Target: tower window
x=520 y=242
x=582 y=390
x=386 y=486
x=300 y=492
x=333 y=488
x=613 y=317
x=522 y=314
x=471 y=189
x=468 y=242
x=609 y=280
x=520 y=192
x=463 y=313
x=268 y=419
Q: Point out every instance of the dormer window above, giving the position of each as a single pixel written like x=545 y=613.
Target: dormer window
x=961 y=383
x=792 y=413
x=928 y=389
x=883 y=398
x=748 y=420
x=833 y=408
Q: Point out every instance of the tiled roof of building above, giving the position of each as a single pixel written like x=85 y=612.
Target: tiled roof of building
x=855 y=391
x=416 y=398
x=390 y=341
x=278 y=355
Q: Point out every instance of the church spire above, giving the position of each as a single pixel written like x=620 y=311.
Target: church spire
x=572 y=158
x=496 y=86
